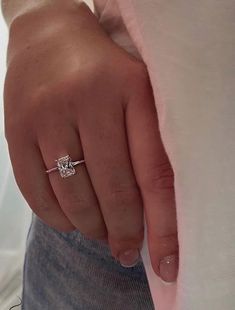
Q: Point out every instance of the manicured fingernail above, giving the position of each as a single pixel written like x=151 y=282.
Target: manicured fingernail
x=169 y=268
x=129 y=258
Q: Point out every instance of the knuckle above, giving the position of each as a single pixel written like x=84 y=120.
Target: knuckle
x=122 y=238
x=116 y=187
x=39 y=96
x=42 y=104
x=139 y=83
x=167 y=241
x=122 y=194
x=122 y=234
x=77 y=207
x=86 y=220
x=19 y=125
x=42 y=95
x=56 y=98
x=160 y=178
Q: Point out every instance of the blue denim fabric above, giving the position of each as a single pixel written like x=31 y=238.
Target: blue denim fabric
x=67 y=271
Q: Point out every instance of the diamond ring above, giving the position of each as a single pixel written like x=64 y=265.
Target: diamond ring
x=65 y=165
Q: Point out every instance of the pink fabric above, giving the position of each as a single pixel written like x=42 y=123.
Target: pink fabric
x=189 y=49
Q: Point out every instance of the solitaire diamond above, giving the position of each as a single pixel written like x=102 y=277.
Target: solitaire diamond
x=65 y=166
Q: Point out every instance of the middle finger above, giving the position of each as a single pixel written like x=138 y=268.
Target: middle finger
x=106 y=151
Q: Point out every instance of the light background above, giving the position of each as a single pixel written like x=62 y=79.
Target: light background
x=15 y=215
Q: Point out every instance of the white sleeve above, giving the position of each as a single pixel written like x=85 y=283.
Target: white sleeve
x=189 y=49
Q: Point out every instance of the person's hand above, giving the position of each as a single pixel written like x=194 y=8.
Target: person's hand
x=70 y=89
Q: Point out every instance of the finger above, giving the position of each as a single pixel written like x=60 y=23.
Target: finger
x=29 y=172
x=105 y=147
x=155 y=178
x=74 y=193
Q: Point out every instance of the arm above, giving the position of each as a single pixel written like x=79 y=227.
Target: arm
x=14 y=8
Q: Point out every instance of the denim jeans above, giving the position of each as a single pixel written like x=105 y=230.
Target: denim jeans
x=67 y=271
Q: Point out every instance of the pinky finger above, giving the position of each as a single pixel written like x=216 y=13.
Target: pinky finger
x=33 y=182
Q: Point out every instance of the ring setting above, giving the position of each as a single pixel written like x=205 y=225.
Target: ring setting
x=65 y=165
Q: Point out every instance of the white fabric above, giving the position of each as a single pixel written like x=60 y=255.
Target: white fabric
x=15 y=215
x=15 y=218
x=189 y=49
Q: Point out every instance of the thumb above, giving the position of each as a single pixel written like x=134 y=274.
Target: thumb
x=155 y=178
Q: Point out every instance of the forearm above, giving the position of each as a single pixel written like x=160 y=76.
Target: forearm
x=14 y=8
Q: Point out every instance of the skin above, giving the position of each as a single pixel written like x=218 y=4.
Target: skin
x=69 y=89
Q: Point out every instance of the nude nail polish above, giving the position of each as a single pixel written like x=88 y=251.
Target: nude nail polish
x=169 y=268
x=129 y=258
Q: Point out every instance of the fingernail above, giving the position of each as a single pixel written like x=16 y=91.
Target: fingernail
x=169 y=268
x=129 y=258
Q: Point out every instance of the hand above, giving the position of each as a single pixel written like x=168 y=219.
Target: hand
x=70 y=89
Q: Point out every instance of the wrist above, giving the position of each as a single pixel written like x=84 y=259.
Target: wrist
x=43 y=22
x=12 y=9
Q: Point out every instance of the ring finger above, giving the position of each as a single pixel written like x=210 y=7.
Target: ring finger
x=75 y=193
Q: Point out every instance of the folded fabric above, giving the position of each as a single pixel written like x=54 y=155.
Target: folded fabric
x=189 y=49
